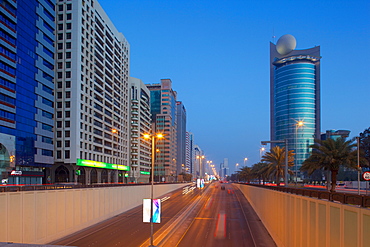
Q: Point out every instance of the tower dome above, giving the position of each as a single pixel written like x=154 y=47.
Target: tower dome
x=286 y=44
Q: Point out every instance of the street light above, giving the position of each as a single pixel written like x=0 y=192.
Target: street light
x=245 y=161
x=200 y=157
x=114 y=131
x=154 y=150
x=262 y=149
x=299 y=124
x=286 y=157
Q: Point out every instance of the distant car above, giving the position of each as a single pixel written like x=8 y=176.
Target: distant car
x=222 y=187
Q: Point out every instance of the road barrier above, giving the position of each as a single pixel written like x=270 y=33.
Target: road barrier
x=299 y=217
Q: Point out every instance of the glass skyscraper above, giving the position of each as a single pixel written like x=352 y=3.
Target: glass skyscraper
x=26 y=90
x=295 y=96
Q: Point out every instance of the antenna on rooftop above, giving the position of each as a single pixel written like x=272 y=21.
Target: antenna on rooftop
x=273 y=36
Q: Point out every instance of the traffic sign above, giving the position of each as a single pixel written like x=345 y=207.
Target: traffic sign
x=366 y=176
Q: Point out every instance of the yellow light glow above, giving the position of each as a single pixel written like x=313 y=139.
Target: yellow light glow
x=114 y=131
x=159 y=135
x=146 y=136
x=300 y=123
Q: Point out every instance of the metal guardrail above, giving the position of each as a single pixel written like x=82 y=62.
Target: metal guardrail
x=345 y=198
x=62 y=186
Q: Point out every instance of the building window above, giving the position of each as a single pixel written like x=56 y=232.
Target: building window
x=47 y=152
x=60 y=17
x=69 y=16
x=60 y=27
x=68 y=35
x=59 y=133
x=68 y=84
x=69 y=26
x=59 y=144
x=68 y=74
x=59 y=84
x=68 y=114
x=68 y=104
x=59 y=95
x=68 y=65
x=67 y=144
x=60 y=36
x=60 y=65
x=68 y=95
x=60 y=7
x=60 y=55
x=66 y=154
x=67 y=133
x=68 y=45
x=59 y=114
x=69 y=6
x=59 y=124
x=68 y=124
x=68 y=54
x=60 y=46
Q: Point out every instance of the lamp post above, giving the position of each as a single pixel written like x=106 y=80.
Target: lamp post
x=286 y=157
x=358 y=164
x=152 y=137
x=200 y=157
x=209 y=162
x=298 y=125
x=114 y=131
x=262 y=149
x=245 y=161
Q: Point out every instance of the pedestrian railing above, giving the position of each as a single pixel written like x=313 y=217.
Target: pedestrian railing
x=345 y=198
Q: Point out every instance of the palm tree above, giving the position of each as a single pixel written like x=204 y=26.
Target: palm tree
x=245 y=174
x=275 y=160
x=329 y=155
x=259 y=171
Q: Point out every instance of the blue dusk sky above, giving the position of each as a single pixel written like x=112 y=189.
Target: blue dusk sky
x=217 y=55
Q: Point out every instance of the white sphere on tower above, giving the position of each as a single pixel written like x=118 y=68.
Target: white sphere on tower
x=286 y=44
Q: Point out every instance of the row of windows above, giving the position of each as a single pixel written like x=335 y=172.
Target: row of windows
x=47 y=102
x=7 y=37
x=68 y=45
x=7 y=22
x=7 y=83
x=68 y=17
x=47 y=140
x=7 y=68
x=294 y=70
x=61 y=7
x=7 y=53
x=7 y=115
x=7 y=99
x=47 y=127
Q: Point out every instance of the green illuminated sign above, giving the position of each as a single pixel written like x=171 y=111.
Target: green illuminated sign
x=97 y=164
x=144 y=173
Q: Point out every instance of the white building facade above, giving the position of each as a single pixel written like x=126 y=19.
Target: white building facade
x=91 y=94
x=140 y=125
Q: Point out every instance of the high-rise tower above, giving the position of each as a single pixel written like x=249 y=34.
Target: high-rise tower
x=26 y=90
x=295 y=96
x=92 y=73
x=163 y=110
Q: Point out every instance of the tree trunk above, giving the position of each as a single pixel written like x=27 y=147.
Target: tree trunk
x=334 y=174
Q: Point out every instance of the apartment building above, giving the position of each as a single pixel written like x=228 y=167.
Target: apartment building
x=140 y=125
x=91 y=96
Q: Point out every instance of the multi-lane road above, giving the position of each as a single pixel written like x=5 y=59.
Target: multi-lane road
x=213 y=216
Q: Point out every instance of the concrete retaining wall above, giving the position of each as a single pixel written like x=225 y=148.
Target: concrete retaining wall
x=39 y=217
x=298 y=221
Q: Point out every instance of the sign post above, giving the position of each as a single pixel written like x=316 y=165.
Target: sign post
x=366 y=177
